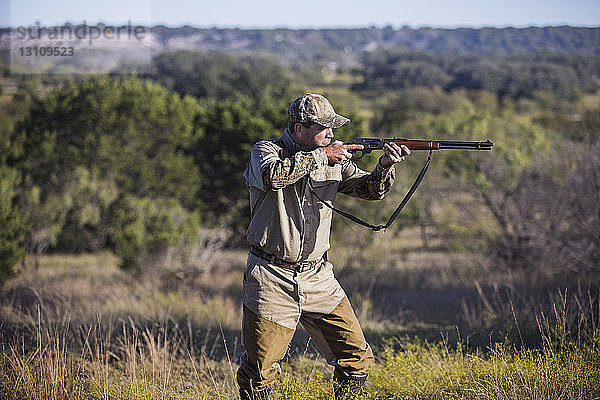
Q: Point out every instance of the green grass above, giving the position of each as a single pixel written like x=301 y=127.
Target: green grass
x=79 y=328
x=434 y=372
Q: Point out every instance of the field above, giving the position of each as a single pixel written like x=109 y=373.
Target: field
x=442 y=328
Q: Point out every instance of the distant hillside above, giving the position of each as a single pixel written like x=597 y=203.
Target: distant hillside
x=317 y=44
x=344 y=47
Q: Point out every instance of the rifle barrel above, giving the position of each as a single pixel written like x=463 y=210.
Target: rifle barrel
x=414 y=144
x=446 y=144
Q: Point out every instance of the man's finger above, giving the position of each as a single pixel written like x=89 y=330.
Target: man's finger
x=346 y=153
x=352 y=147
x=400 y=149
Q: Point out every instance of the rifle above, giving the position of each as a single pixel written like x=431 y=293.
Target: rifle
x=370 y=144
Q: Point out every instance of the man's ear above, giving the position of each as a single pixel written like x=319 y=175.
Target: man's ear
x=298 y=132
x=298 y=129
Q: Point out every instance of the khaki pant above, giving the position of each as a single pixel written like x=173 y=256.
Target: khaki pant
x=275 y=300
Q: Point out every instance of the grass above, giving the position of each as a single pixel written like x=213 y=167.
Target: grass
x=435 y=372
x=79 y=328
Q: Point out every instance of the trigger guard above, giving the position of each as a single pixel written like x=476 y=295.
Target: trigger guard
x=356 y=156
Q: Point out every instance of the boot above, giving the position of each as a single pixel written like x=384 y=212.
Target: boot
x=260 y=394
x=349 y=387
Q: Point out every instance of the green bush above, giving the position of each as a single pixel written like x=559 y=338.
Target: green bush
x=143 y=226
x=12 y=226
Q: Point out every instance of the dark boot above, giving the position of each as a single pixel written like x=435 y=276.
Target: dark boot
x=260 y=394
x=349 y=387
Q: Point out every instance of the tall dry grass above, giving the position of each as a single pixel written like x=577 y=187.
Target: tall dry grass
x=79 y=328
x=110 y=360
x=94 y=362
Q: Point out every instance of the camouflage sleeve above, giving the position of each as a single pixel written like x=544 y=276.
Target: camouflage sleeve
x=287 y=171
x=267 y=170
x=364 y=185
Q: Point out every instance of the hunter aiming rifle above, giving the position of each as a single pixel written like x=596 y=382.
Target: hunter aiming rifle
x=370 y=144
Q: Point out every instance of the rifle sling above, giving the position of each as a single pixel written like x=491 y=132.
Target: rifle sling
x=394 y=215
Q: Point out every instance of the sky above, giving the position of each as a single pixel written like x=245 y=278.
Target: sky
x=304 y=14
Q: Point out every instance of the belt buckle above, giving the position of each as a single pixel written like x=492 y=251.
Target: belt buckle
x=299 y=267
x=306 y=265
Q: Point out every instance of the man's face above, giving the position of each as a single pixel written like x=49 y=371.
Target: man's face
x=313 y=135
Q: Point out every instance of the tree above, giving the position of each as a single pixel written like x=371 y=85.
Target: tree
x=86 y=226
x=142 y=227
x=12 y=226
x=88 y=143
x=232 y=129
x=220 y=76
x=518 y=185
x=512 y=77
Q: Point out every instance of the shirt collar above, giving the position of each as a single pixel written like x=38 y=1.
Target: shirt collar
x=287 y=140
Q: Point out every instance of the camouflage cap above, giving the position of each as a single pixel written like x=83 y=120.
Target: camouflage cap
x=315 y=108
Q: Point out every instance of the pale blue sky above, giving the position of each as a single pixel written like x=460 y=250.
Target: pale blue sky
x=305 y=13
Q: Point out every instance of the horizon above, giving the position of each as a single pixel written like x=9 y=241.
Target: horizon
x=333 y=14
x=299 y=28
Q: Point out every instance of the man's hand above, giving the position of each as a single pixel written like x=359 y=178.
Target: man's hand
x=337 y=152
x=392 y=153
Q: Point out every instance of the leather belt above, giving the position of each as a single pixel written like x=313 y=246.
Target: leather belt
x=298 y=267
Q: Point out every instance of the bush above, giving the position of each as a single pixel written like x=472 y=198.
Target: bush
x=143 y=227
x=11 y=223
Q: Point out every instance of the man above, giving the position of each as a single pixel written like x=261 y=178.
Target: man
x=288 y=278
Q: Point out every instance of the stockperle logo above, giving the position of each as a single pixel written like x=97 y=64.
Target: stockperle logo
x=79 y=48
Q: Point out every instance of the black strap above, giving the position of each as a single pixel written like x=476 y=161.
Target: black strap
x=394 y=215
